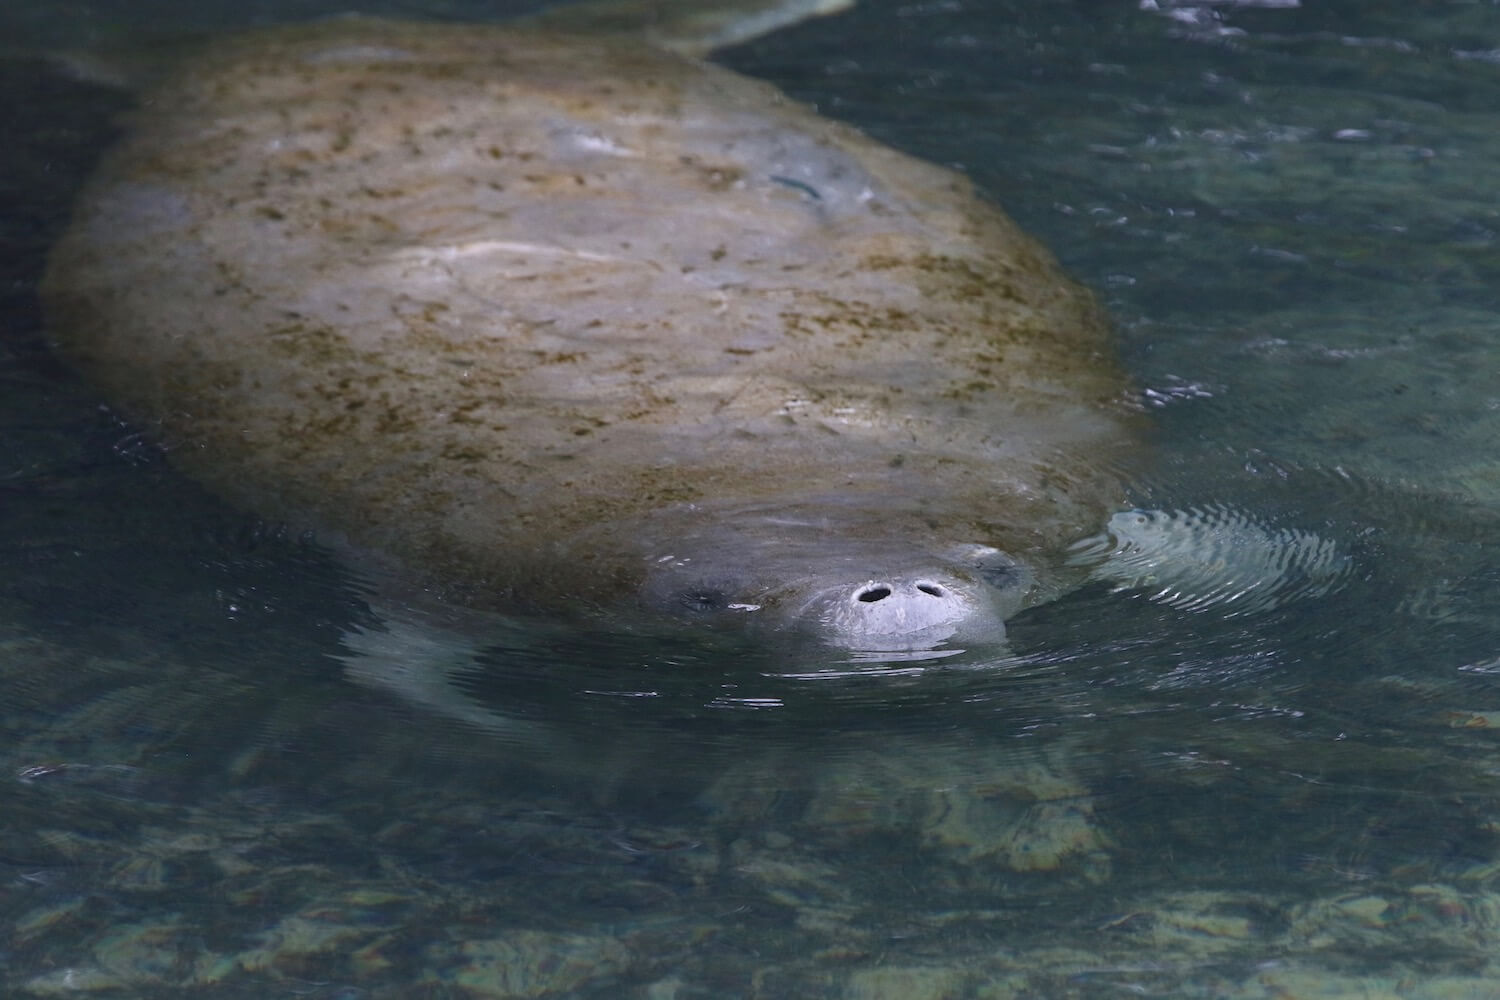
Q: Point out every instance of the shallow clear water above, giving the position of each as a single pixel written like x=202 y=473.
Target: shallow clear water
x=1288 y=212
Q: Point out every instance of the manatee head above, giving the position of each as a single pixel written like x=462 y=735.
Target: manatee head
x=809 y=574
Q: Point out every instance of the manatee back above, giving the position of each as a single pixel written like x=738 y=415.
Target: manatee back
x=458 y=292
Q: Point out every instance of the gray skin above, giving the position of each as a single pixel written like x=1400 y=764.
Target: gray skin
x=540 y=319
x=863 y=594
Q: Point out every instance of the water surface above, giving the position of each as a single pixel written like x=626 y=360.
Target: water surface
x=1287 y=210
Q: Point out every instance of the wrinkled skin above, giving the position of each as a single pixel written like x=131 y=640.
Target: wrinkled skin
x=875 y=594
x=554 y=322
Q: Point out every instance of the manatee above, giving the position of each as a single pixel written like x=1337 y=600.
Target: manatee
x=554 y=316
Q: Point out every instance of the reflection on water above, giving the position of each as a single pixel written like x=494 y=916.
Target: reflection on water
x=1287 y=211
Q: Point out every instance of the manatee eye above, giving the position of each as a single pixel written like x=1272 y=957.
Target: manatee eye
x=703 y=599
x=998 y=570
x=870 y=595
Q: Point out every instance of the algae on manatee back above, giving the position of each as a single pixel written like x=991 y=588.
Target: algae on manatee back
x=561 y=319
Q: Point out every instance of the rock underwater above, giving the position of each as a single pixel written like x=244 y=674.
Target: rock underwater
x=539 y=317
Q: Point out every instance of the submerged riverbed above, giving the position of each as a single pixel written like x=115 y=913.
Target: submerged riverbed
x=1287 y=211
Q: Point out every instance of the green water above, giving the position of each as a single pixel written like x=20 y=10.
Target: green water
x=1289 y=212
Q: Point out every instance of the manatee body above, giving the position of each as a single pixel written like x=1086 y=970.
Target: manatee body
x=556 y=320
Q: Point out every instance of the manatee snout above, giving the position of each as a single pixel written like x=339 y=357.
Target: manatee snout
x=963 y=600
x=895 y=606
x=961 y=595
x=901 y=614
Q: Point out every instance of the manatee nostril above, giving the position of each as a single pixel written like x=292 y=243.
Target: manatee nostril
x=870 y=595
x=932 y=588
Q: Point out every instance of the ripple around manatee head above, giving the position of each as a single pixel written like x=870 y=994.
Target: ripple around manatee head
x=1419 y=577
